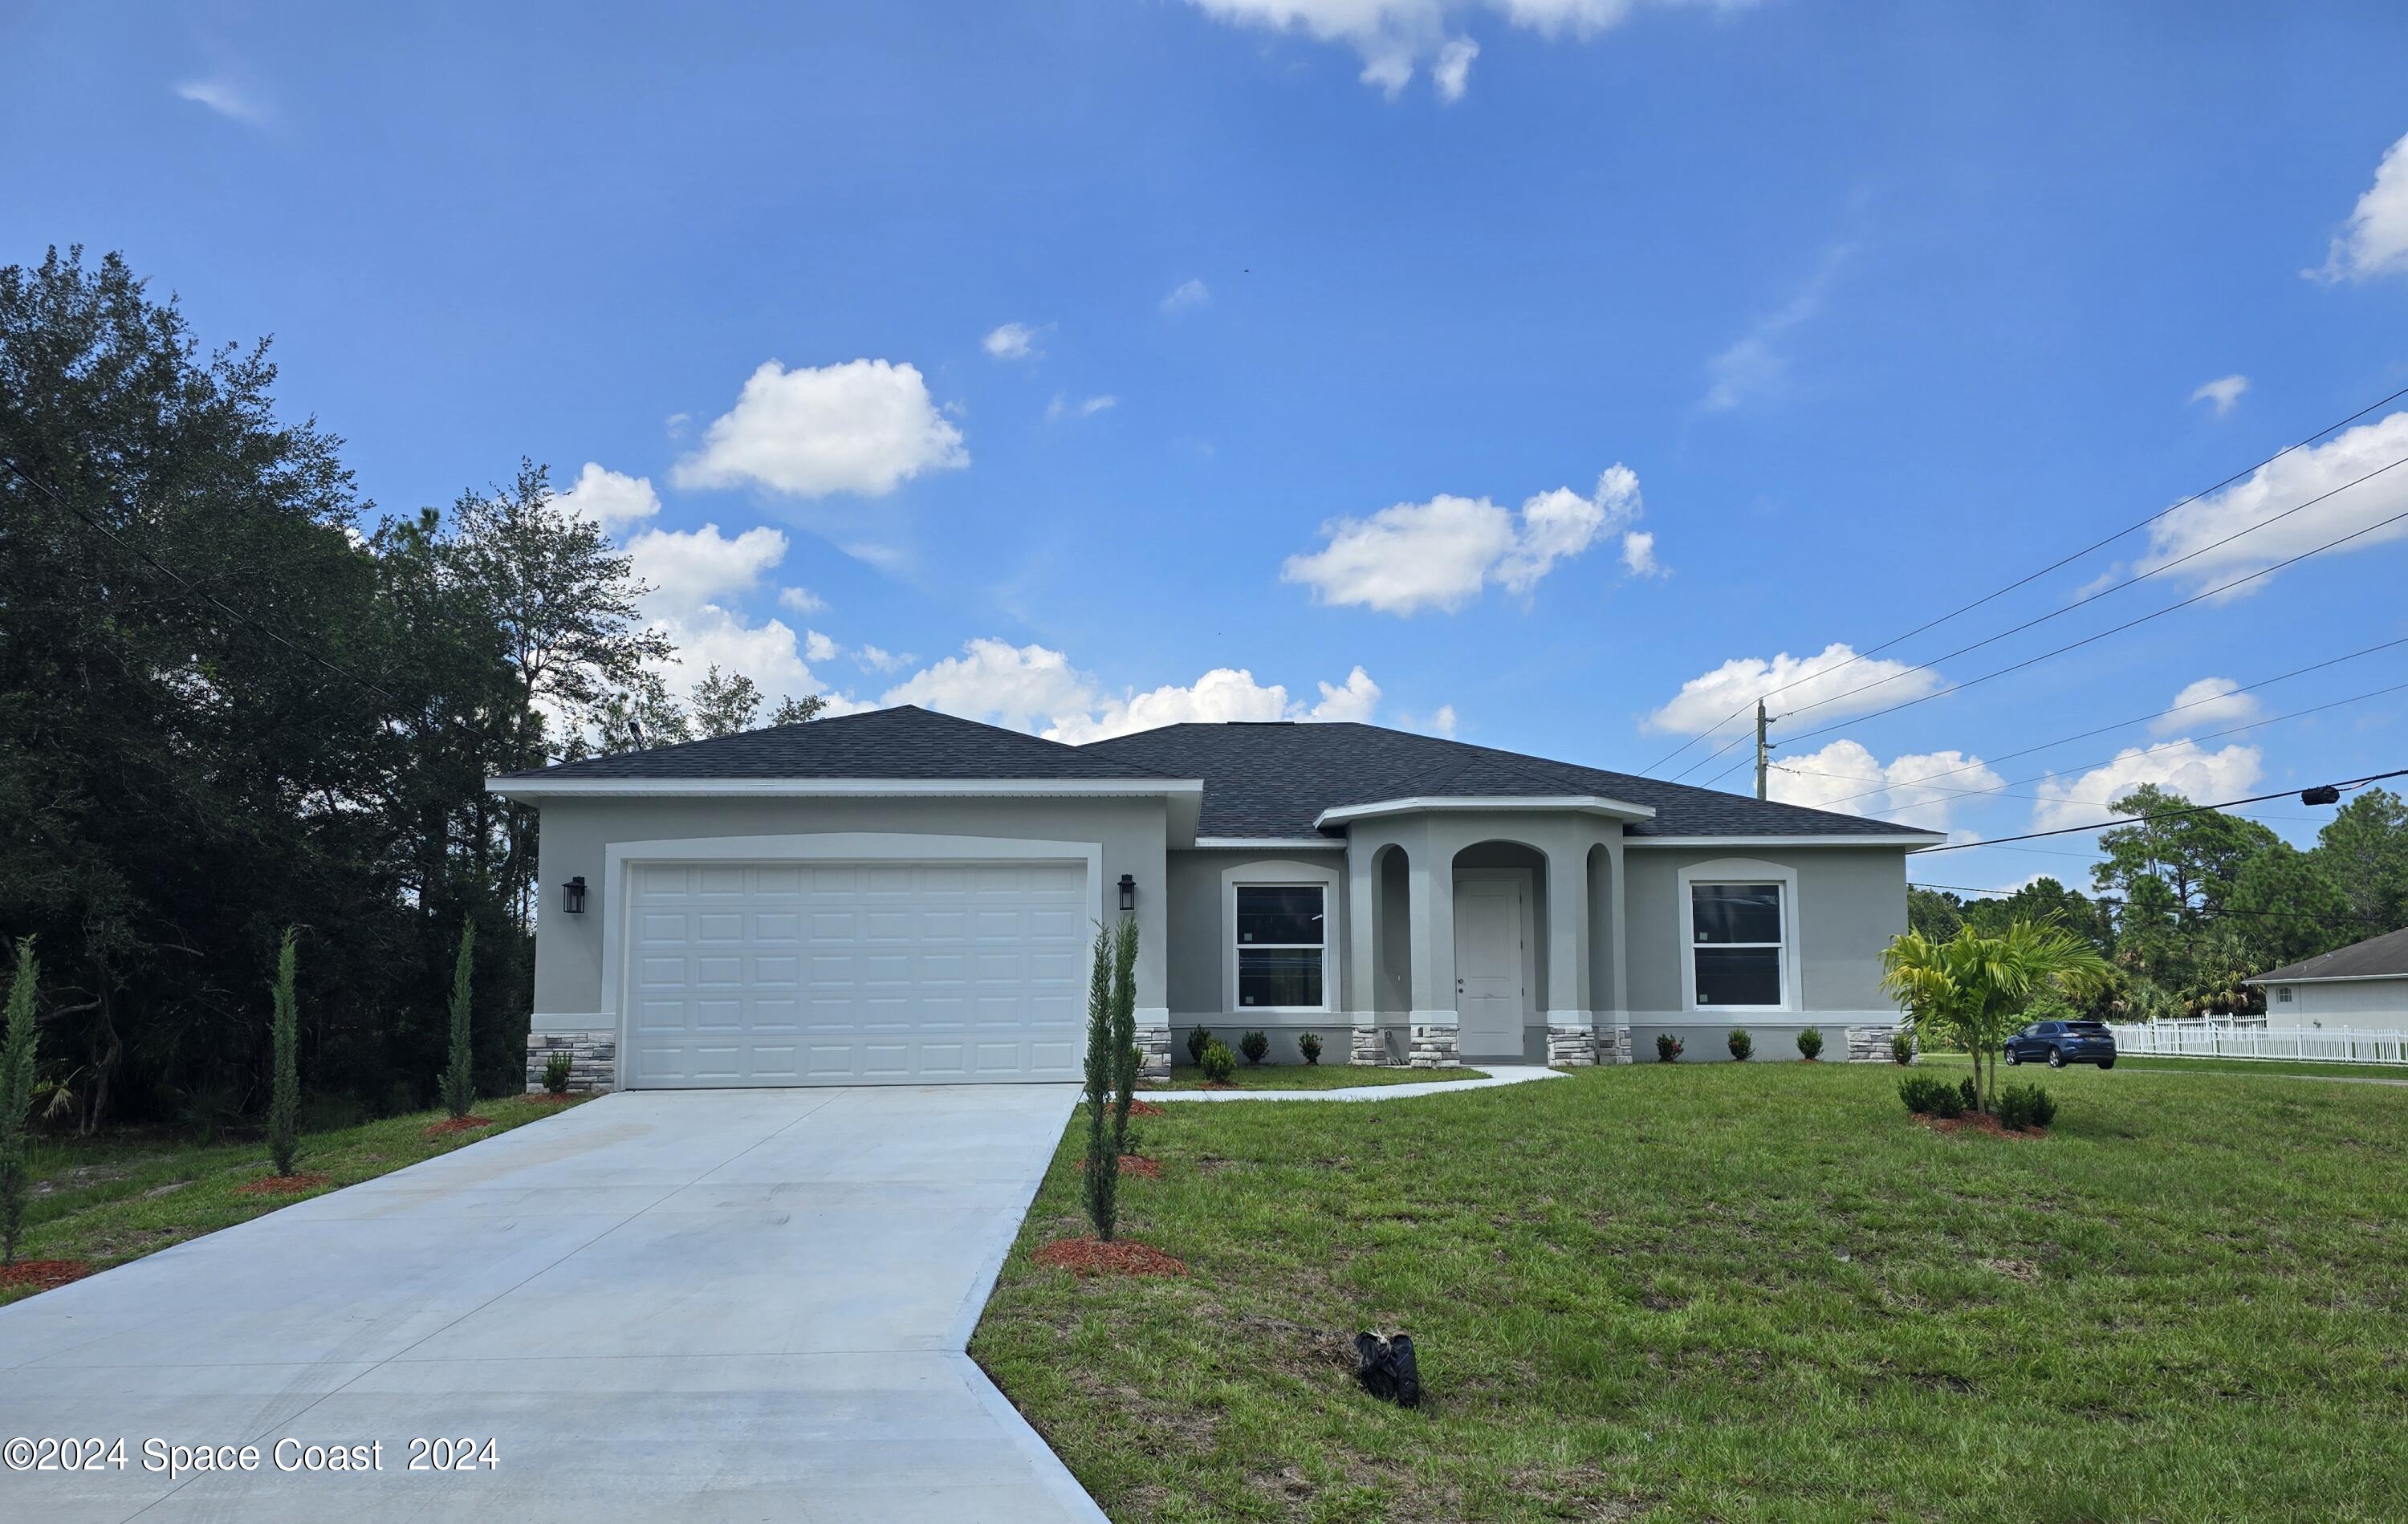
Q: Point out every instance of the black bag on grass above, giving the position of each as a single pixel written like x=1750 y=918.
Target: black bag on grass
x=1387 y=1370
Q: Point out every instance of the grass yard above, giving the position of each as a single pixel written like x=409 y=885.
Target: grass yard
x=1731 y=1291
x=113 y=1199
x=1313 y=1076
x=2198 y=1067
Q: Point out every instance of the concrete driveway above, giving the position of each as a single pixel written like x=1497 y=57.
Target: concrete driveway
x=714 y=1305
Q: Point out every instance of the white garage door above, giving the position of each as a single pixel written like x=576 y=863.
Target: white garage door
x=856 y=972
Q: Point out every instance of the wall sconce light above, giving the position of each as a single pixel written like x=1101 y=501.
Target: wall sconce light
x=1129 y=892
x=572 y=895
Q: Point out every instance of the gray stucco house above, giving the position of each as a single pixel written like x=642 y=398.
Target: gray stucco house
x=901 y=896
x=2364 y=984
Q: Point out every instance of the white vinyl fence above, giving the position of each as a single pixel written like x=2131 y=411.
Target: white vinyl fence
x=2241 y=1040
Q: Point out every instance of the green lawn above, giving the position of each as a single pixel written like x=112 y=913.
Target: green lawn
x=1742 y=1292
x=117 y=1198
x=1313 y=1076
x=2204 y=1066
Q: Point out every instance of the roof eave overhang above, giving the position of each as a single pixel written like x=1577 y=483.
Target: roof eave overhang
x=2280 y=977
x=1914 y=841
x=1583 y=804
x=1183 y=797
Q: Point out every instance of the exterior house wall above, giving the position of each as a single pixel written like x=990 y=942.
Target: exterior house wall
x=1200 y=938
x=1851 y=900
x=2341 y=1003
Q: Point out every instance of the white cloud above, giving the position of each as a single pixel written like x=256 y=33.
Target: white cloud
x=1443 y=722
x=1706 y=700
x=2223 y=392
x=1921 y=788
x=1034 y=688
x=1187 y=294
x=879 y=658
x=2377 y=240
x=1061 y=408
x=691 y=567
x=2284 y=484
x=1013 y=341
x=2200 y=775
x=2208 y=702
x=818 y=647
x=863 y=426
x=1438 y=554
x=1757 y=364
x=225 y=98
x=1396 y=37
x=1639 y=554
x=802 y=600
x=610 y=498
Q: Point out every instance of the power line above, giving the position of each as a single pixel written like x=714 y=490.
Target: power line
x=2026 y=580
x=2161 y=815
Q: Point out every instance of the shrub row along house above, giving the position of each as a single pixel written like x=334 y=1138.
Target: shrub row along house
x=903 y=896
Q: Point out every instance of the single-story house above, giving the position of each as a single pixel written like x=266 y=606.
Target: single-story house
x=901 y=896
x=2362 y=985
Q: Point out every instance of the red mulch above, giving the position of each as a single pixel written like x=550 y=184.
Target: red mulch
x=1086 y=1257
x=282 y=1185
x=1979 y=1121
x=41 y=1274
x=1137 y=1164
x=458 y=1124
x=1147 y=1108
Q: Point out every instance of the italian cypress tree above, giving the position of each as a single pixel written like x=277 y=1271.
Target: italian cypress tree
x=1125 y=1056
x=1103 y=1064
x=460 y=1076
x=284 y=1098
x=17 y=1103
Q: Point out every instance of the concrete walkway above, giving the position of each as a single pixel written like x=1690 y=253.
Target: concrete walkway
x=1499 y=1073
x=728 y=1305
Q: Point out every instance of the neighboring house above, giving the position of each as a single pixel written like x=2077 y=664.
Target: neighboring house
x=2362 y=985
x=902 y=896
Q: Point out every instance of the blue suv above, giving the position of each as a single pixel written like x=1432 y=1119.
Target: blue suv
x=2060 y=1043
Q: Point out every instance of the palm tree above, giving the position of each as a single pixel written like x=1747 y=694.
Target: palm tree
x=1979 y=984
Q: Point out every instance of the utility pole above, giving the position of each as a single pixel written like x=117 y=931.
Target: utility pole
x=1763 y=753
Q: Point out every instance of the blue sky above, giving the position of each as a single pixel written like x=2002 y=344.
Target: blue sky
x=1558 y=365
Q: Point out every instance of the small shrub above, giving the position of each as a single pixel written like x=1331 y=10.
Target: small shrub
x=1217 y=1061
x=284 y=1092
x=1309 y=1044
x=1742 y=1045
x=1969 y=1093
x=1809 y=1043
x=1901 y=1047
x=2022 y=1106
x=556 y=1073
x=1253 y=1044
x=1197 y=1040
x=1927 y=1096
x=1668 y=1047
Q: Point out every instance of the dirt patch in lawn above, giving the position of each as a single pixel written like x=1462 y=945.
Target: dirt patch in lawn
x=1979 y=1121
x=1088 y=1257
x=1147 y=1108
x=42 y=1274
x=548 y=1099
x=282 y=1185
x=458 y=1124
x=1137 y=1164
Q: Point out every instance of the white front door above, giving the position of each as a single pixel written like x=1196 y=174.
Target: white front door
x=1489 y=967
x=856 y=973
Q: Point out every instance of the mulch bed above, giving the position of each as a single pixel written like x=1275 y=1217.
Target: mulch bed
x=1086 y=1257
x=282 y=1185
x=1137 y=1164
x=1979 y=1121
x=458 y=1124
x=41 y=1274
x=1148 y=1108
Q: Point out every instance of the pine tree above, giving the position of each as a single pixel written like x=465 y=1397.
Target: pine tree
x=284 y=1099
x=17 y=1103
x=460 y=1077
x=1103 y=1154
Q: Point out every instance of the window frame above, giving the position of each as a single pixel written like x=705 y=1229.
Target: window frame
x=1737 y=871
x=1281 y=875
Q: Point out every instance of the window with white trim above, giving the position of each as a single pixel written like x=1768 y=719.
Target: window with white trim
x=1282 y=946
x=1738 y=947
x=2282 y=994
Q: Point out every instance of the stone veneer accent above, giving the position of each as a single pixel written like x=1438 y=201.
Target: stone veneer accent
x=1434 y=1047
x=592 y=1058
x=1571 y=1046
x=1155 y=1043
x=1869 y=1044
x=1368 y=1048
x=1613 y=1045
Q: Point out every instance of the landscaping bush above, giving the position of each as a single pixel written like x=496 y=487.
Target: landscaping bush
x=1668 y=1047
x=1742 y=1045
x=1218 y=1063
x=1901 y=1047
x=1253 y=1044
x=284 y=1096
x=1130 y=1058
x=1809 y=1043
x=1928 y=1096
x=1309 y=1044
x=1969 y=1094
x=1197 y=1042
x=1103 y=1177
x=17 y=1102
x=2022 y=1106
x=556 y=1073
x=459 y=1078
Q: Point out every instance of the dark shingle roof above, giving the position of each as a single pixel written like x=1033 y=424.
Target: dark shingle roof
x=905 y=742
x=1273 y=780
x=2374 y=958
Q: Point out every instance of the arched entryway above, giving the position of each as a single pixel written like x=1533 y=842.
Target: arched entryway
x=1501 y=963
